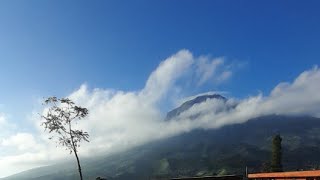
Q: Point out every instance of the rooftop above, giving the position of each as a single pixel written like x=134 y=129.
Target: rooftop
x=293 y=174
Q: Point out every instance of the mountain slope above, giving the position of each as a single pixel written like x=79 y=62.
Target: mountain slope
x=227 y=150
x=188 y=104
x=204 y=152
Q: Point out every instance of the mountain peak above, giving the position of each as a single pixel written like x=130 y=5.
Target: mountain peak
x=188 y=104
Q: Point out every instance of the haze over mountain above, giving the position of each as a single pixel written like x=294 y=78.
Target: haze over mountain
x=188 y=104
x=227 y=150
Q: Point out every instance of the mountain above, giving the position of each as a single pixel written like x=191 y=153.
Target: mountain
x=227 y=150
x=204 y=152
x=188 y=104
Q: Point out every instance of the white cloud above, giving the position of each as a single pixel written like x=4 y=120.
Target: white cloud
x=206 y=69
x=22 y=151
x=224 y=76
x=160 y=80
x=21 y=141
x=216 y=70
x=4 y=123
x=119 y=120
x=300 y=97
x=2 y=119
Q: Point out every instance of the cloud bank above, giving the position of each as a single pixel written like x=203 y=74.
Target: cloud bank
x=119 y=120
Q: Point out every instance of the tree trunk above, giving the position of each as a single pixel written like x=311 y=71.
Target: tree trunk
x=75 y=151
x=79 y=167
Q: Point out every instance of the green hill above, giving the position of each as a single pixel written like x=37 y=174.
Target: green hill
x=227 y=150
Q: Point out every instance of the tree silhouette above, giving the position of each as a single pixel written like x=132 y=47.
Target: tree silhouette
x=276 y=165
x=59 y=118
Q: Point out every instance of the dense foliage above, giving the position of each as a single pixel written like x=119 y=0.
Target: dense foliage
x=276 y=163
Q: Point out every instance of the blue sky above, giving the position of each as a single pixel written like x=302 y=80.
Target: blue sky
x=53 y=47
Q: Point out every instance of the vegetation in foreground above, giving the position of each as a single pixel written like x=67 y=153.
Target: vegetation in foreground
x=227 y=150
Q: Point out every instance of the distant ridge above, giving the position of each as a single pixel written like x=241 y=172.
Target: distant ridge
x=200 y=152
x=188 y=104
